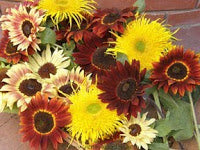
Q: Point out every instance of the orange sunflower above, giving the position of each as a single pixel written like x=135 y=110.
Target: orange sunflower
x=10 y=52
x=43 y=121
x=177 y=72
x=111 y=20
x=23 y=24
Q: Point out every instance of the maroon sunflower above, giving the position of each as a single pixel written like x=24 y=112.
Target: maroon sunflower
x=178 y=71
x=92 y=58
x=42 y=121
x=10 y=52
x=111 y=19
x=122 y=88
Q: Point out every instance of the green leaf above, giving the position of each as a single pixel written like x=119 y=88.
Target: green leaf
x=121 y=57
x=141 y=5
x=150 y=90
x=167 y=100
x=15 y=110
x=163 y=126
x=158 y=146
x=181 y=119
x=48 y=36
x=69 y=46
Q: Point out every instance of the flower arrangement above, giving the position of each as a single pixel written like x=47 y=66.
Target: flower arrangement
x=85 y=76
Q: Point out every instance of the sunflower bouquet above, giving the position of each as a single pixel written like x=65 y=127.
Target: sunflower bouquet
x=87 y=77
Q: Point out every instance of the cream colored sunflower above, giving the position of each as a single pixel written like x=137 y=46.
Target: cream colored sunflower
x=72 y=10
x=66 y=82
x=138 y=132
x=48 y=63
x=21 y=86
x=23 y=26
x=143 y=40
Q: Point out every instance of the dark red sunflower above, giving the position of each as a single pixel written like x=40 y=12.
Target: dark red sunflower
x=178 y=71
x=122 y=88
x=10 y=52
x=111 y=19
x=92 y=58
x=42 y=121
x=75 y=33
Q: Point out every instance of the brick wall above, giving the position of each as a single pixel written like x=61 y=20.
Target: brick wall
x=174 y=12
x=182 y=14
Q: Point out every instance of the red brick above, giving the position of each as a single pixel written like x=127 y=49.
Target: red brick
x=170 y=4
x=189 y=37
x=121 y=4
x=155 y=16
x=184 y=17
x=7 y=4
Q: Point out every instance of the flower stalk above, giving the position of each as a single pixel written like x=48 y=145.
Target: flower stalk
x=194 y=119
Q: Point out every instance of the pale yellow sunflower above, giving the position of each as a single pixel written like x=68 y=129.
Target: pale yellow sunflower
x=3 y=101
x=91 y=120
x=143 y=40
x=72 y=10
x=138 y=132
x=48 y=63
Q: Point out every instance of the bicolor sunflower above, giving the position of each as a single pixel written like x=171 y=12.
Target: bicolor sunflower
x=143 y=40
x=67 y=82
x=111 y=20
x=122 y=88
x=178 y=71
x=21 y=86
x=10 y=52
x=91 y=120
x=92 y=58
x=23 y=24
x=138 y=132
x=42 y=122
x=58 y=10
x=48 y=63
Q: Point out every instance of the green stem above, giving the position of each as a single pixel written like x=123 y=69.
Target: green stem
x=157 y=101
x=195 y=120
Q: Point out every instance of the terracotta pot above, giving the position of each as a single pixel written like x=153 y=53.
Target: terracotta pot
x=121 y=4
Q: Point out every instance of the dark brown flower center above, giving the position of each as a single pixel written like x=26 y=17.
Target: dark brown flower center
x=111 y=18
x=2 y=76
x=117 y=145
x=126 y=89
x=30 y=87
x=27 y=27
x=11 y=49
x=46 y=70
x=177 y=71
x=43 y=122
x=102 y=60
x=68 y=89
x=135 y=129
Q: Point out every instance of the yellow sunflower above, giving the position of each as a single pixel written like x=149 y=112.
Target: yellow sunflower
x=143 y=40
x=48 y=63
x=138 y=132
x=91 y=120
x=72 y=10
